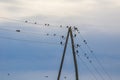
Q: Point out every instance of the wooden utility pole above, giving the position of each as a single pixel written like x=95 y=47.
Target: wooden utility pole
x=74 y=55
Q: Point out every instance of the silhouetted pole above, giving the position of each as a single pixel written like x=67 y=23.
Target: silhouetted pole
x=74 y=55
x=61 y=65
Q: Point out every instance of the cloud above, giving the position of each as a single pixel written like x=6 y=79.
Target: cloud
x=8 y=1
x=98 y=20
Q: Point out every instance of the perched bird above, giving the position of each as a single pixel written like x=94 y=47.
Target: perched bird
x=85 y=54
x=67 y=26
x=91 y=51
x=61 y=43
x=75 y=35
x=90 y=61
x=78 y=45
x=75 y=28
x=17 y=30
x=77 y=51
x=65 y=77
x=8 y=74
x=26 y=21
x=85 y=41
x=62 y=37
x=87 y=57
x=60 y=25
x=45 y=24
x=47 y=34
x=54 y=34
x=46 y=76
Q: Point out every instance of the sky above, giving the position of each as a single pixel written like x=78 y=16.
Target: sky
x=31 y=54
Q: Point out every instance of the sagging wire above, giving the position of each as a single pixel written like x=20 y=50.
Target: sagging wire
x=29 y=41
x=35 y=23
x=91 y=51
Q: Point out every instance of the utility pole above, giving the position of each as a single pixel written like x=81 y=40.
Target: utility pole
x=74 y=55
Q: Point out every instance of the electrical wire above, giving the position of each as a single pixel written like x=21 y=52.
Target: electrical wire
x=29 y=41
x=88 y=68
x=33 y=33
x=60 y=26
x=38 y=35
x=98 y=61
x=94 y=66
x=35 y=23
x=91 y=51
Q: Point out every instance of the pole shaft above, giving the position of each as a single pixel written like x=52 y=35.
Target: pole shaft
x=74 y=55
x=65 y=47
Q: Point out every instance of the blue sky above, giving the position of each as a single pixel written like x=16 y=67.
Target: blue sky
x=97 y=20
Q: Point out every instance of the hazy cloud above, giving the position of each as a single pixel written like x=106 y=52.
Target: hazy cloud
x=98 y=20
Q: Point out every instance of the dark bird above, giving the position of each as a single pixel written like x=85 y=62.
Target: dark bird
x=85 y=41
x=8 y=74
x=67 y=26
x=78 y=45
x=46 y=76
x=75 y=28
x=91 y=51
x=26 y=21
x=17 y=30
x=62 y=37
x=87 y=57
x=61 y=43
x=85 y=54
x=47 y=34
x=75 y=35
x=65 y=77
x=60 y=25
x=90 y=61
x=77 y=51
x=54 y=34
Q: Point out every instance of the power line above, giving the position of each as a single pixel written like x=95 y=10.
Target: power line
x=29 y=41
x=88 y=68
x=97 y=71
x=60 y=26
x=35 y=23
x=89 y=60
x=76 y=29
x=93 y=65
x=91 y=51
x=98 y=61
x=33 y=33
